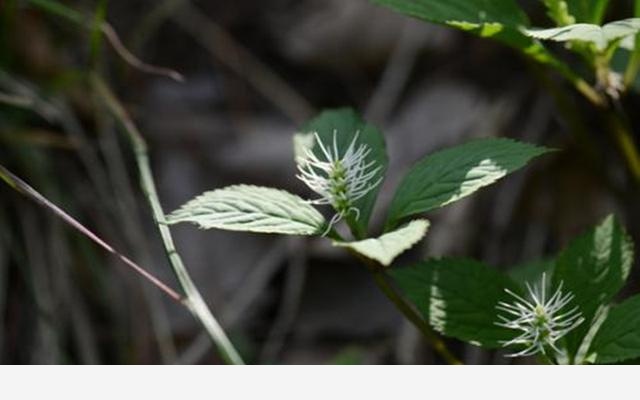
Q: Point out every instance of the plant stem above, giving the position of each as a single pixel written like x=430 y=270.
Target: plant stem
x=25 y=189
x=624 y=138
x=633 y=66
x=193 y=301
x=407 y=310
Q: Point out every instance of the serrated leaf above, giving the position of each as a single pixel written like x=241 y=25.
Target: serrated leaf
x=594 y=267
x=497 y=19
x=346 y=123
x=387 y=247
x=619 y=336
x=601 y=36
x=251 y=209
x=449 y=175
x=458 y=297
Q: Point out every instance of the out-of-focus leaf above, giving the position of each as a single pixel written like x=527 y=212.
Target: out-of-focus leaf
x=601 y=36
x=497 y=19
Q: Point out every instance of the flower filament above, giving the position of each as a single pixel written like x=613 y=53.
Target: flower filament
x=339 y=180
x=541 y=321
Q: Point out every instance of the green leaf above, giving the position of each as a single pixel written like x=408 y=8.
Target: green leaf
x=346 y=123
x=498 y=19
x=531 y=272
x=594 y=267
x=449 y=175
x=619 y=336
x=390 y=245
x=600 y=36
x=504 y=12
x=251 y=209
x=458 y=297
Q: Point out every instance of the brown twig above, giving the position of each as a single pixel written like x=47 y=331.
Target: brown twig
x=22 y=187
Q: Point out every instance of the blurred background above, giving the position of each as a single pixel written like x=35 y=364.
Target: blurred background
x=254 y=72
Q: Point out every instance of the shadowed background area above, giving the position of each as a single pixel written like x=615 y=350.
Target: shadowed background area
x=255 y=71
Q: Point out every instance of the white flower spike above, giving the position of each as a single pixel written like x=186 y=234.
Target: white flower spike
x=339 y=179
x=541 y=320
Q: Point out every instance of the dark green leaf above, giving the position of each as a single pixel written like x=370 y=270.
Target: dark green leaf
x=594 y=267
x=449 y=175
x=532 y=271
x=619 y=336
x=498 y=19
x=458 y=297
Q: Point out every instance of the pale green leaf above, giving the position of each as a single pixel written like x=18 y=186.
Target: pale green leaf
x=583 y=32
x=387 y=247
x=449 y=175
x=594 y=267
x=620 y=29
x=251 y=209
x=458 y=298
x=600 y=36
x=629 y=43
x=619 y=336
x=346 y=124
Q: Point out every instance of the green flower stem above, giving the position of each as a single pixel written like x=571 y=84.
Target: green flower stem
x=613 y=112
x=633 y=67
x=634 y=62
x=624 y=139
x=582 y=86
x=381 y=280
x=193 y=301
x=407 y=310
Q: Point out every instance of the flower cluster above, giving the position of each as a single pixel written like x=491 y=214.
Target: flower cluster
x=541 y=321
x=340 y=179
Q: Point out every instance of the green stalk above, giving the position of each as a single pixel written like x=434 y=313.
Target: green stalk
x=381 y=280
x=633 y=67
x=407 y=310
x=194 y=301
x=624 y=139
